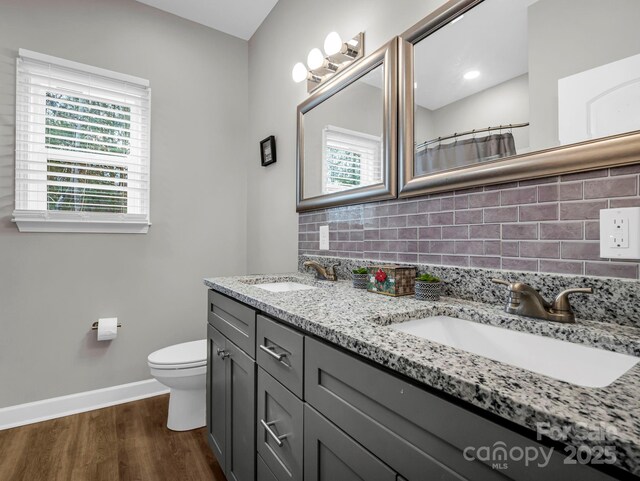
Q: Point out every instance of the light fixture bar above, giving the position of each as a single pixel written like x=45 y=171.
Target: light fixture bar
x=350 y=51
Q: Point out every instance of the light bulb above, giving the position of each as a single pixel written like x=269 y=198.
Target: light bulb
x=471 y=74
x=315 y=59
x=299 y=72
x=332 y=44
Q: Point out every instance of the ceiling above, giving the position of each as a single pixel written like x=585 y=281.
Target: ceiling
x=240 y=18
x=491 y=38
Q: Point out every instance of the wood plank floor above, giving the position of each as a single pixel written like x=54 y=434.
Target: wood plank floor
x=126 y=442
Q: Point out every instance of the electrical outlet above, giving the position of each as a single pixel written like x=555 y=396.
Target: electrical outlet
x=620 y=233
x=324 y=237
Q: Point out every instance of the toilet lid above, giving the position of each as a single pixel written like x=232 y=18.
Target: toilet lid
x=187 y=354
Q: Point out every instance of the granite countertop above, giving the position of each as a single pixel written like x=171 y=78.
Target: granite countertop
x=359 y=322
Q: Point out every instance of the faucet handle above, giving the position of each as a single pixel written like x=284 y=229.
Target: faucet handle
x=500 y=281
x=561 y=303
x=331 y=271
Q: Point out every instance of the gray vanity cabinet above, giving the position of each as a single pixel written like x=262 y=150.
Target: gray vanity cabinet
x=216 y=395
x=331 y=455
x=231 y=393
x=304 y=410
x=234 y=320
x=279 y=434
x=264 y=473
x=418 y=434
x=280 y=352
x=280 y=357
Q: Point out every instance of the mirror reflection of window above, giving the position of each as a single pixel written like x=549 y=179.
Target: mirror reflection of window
x=350 y=159
x=343 y=138
x=516 y=76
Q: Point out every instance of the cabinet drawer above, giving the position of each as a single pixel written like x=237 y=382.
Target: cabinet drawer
x=264 y=473
x=279 y=428
x=331 y=455
x=235 y=320
x=419 y=434
x=280 y=352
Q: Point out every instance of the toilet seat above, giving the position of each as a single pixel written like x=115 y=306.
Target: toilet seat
x=180 y=356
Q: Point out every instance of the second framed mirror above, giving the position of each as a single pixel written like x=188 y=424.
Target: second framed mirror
x=496 y=91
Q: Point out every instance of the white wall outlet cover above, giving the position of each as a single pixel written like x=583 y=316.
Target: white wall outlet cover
x=324 y=237
x=620 y=233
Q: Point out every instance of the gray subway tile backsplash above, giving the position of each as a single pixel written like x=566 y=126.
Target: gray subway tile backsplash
x=542 y=225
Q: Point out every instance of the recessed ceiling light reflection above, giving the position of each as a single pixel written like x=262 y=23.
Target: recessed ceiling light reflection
x=471 y=74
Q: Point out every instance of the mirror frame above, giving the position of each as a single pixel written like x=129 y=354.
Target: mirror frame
x=387 y=56
x=594 y=154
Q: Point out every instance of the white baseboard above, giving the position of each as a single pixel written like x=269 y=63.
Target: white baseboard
x=57 y=407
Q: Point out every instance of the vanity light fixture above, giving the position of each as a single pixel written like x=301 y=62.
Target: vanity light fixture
x=315 y=59
x=471 y=74
x=299 y=72
x=332 y=44
x=457 y=19
x=337 y=56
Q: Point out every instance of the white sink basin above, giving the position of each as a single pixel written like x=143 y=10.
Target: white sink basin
x=573 y=363
x=284 y=286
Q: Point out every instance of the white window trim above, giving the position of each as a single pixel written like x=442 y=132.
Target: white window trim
x=332 y=128
x=88 y=222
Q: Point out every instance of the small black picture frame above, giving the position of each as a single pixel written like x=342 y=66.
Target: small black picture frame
x=268 y=150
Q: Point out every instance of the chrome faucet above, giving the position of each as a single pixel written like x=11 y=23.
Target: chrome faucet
x=524 y=300
x=328 y=274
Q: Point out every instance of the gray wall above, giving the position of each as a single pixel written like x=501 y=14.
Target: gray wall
x=567 y=37
x=52 y=286
x=292 y=28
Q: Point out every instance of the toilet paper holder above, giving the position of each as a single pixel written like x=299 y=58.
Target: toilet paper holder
x=94 y=326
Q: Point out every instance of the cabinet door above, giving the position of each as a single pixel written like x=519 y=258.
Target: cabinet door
x=279 y=432
x=240 y=415
x=216 y=394
x=331 y=455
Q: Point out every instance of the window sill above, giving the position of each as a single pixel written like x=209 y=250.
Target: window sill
x=28 y=221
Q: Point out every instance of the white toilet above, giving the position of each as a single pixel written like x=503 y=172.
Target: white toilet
x=183 y=369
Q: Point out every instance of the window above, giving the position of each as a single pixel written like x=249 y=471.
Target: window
x=349 y=159
x=82 y=148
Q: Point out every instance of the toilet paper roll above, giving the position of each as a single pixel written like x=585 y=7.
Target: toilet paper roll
x=107 y=328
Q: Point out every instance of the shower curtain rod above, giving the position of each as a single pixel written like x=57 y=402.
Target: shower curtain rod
x=469 y=132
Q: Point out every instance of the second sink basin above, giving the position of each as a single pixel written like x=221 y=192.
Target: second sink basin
x=284 y=286
x=573 y=363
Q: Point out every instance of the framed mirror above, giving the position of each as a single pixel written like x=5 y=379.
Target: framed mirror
x=347 y=135
x=494 y=91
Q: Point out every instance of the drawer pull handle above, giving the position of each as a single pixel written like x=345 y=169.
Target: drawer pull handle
x=276 y=438
x=269 y=350
x=223 y=354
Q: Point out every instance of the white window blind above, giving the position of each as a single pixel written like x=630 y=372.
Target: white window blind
x=350 y=159
x=82 y=147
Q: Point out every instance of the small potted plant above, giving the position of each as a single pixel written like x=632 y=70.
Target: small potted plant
x=360 y=277
x=428 y=287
